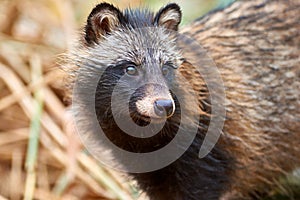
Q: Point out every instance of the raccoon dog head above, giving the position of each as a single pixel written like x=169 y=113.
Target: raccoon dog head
x=137 y=52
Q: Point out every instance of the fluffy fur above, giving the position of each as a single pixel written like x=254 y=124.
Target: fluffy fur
x=255 y=45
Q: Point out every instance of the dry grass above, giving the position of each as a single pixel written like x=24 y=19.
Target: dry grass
x=40 y=155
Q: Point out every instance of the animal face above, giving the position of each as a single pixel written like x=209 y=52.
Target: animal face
x=137 y=52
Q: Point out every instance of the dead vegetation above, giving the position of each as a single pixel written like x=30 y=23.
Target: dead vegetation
x=40 y=155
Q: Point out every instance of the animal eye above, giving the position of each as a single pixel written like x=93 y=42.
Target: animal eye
x=165 y=70
x=131 y=70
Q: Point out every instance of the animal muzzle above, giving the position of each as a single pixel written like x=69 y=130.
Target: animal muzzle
x=156 y=102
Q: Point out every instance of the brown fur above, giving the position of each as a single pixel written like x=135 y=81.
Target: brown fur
x=256 y=46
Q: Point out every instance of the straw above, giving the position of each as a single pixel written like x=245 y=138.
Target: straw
x=34 y=133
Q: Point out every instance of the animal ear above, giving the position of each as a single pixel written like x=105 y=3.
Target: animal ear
x=103 y=19
x=168 y=17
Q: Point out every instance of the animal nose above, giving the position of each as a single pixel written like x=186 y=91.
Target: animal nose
x=164 y=107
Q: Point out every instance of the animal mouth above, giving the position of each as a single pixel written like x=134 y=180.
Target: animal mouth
x=143 y=120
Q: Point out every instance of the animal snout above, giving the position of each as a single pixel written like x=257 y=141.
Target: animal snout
x=164 y=107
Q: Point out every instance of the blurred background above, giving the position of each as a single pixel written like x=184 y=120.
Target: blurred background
x=40 y=154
